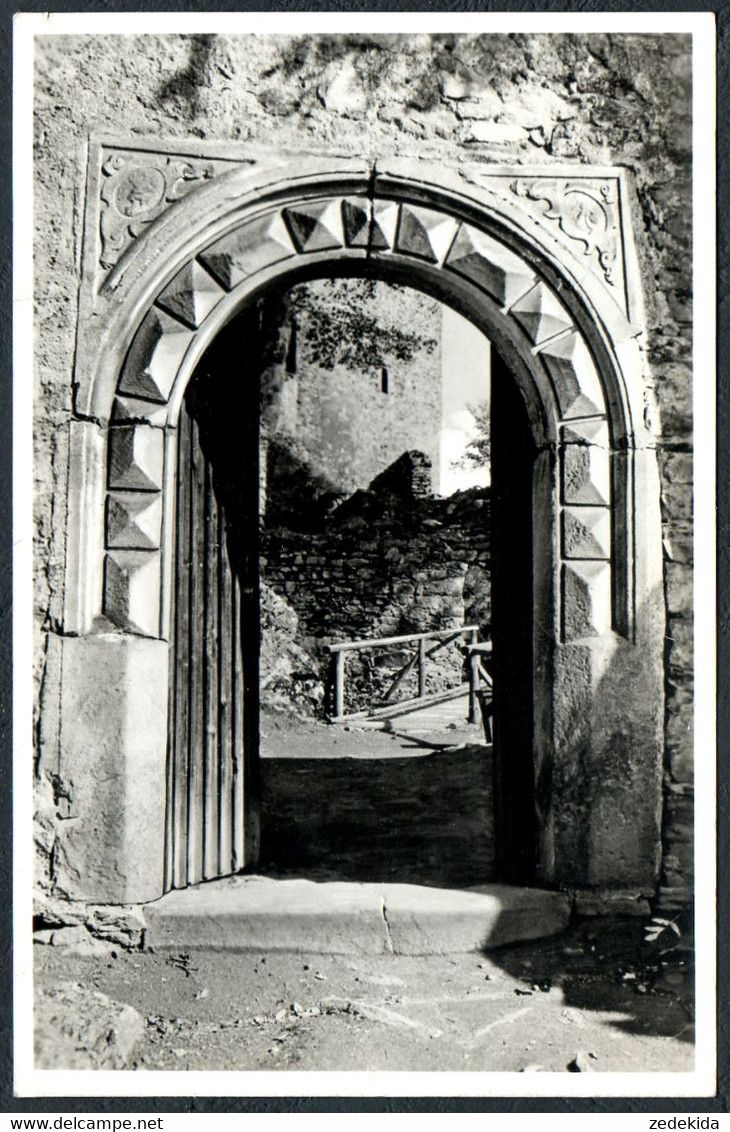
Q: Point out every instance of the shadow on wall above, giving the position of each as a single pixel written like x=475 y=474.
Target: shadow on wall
x=606 y=765
x=296 y=496
x=184 y=87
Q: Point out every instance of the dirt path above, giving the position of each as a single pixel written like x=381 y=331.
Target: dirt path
x=285 y=737
x=581 y=1002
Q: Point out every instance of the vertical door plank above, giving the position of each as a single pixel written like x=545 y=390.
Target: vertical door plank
x=195 y=721
x=211 y=799
x=237 y=723
x=181 y=660
x=225 y=701
x=169 y=861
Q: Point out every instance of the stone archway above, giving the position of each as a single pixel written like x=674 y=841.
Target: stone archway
x=550 y=286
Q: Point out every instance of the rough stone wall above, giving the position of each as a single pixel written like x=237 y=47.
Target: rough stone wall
x=382 y=566
x=537 y=99
x=330 y=410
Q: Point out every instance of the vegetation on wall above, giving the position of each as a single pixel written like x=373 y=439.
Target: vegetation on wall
x=342 y=331
x=477 y=452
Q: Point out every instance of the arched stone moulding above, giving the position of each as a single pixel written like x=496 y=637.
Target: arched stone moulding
x=468 y=238
x=562 y=326
x=522 y=309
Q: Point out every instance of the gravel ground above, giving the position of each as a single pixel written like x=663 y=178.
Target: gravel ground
x=591 y=1000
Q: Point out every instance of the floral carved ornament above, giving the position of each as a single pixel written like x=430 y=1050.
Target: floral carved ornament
x=586 y=211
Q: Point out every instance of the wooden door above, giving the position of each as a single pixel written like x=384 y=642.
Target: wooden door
x=212 y=799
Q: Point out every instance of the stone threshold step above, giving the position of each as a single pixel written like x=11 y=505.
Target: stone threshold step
x=254 y=913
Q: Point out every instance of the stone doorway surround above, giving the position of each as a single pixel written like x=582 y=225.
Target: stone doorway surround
x=543 y=262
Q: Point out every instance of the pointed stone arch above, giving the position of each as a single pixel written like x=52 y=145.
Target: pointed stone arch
x=558 y=303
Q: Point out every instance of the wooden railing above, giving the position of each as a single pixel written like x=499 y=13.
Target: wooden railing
x=479 y=660
x=417 y=662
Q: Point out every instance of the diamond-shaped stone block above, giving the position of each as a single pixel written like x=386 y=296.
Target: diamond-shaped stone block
x=586 y=532
x=586 y=474
x=135 y=458
x=385 y=225
x=154 y=357
x=316 y=227
x=356 y=218
x=490 y=265
x=369 y=224
x=586 y=599
x=592 y=431
x=540 y=314
x=574 y=377
x=191 y=295
x=130 y=410
x=249 y=249
x=133 y=520
x=424 y=233
x=132 y=590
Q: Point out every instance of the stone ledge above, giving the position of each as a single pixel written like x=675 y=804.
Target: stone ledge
x=261 y=914
x=435 y=921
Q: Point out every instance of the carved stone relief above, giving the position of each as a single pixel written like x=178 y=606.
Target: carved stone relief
x=369 y=224
x=585 y=210
x=191 y=295
x=133 y=520
x=124 y=519
x=156 y=353
x=135 y=458
x=585 y=475
x=586 y=532
x=133 y=529
x=137 y=187
x=316 y=227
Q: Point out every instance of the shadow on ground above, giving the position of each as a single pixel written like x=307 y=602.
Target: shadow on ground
x=603 y=964
x=551 y=1006
x=378 y=813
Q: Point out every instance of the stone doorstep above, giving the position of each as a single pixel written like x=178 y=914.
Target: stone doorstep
x=337 y=917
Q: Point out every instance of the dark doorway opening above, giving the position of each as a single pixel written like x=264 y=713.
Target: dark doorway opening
x=415 y=816
x=513 y=456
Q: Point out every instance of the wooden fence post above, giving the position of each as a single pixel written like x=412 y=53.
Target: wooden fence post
x=473 y=684
x=339 y=683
